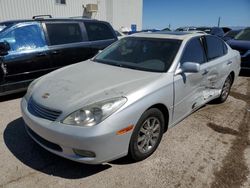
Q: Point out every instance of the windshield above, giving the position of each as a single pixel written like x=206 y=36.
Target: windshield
x=243 y=35
x=5 y=25
x=2 y=27
x=232 y=33
x=148 y=54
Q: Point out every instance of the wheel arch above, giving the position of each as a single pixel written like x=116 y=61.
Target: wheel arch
x=165 y=113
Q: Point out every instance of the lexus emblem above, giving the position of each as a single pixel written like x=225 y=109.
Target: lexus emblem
x=45 y=95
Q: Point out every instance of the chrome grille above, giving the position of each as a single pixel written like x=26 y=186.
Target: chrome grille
x=41 y=111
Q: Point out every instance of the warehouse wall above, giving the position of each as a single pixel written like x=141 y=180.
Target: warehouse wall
x=127 y=12
x=118 y=12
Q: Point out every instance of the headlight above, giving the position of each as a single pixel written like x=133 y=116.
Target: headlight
x=30 y=89
x=94 y=113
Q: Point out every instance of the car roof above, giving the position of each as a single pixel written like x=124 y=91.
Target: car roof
x=168 y=35
x=49 y=20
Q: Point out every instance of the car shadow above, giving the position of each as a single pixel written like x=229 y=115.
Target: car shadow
x=123 y=161
x=12 y=96
x=34 y=156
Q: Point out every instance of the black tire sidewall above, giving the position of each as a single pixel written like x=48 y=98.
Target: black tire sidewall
x=221 y=99
x=134 y=152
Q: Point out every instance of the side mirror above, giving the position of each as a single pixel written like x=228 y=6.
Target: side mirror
x=4 y=48
x=190 y=67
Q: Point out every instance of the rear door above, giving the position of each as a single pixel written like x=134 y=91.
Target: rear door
x=100 y=34
x=68 y=43
x=28 y=57
x=217 y=66
x=189 y=87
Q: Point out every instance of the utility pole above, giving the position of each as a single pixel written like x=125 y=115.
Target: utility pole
x=219 y=21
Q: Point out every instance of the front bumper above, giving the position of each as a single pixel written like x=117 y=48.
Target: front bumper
x=61 y=139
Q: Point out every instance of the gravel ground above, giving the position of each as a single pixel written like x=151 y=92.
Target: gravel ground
x=210 y=148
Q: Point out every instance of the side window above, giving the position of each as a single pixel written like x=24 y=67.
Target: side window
x=193 y=52
x=64 y=33
x=98 y=31
x=24 y=38
x=215 y=47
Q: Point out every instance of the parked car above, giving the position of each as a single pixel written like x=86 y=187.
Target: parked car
x=241 y=42
x=217 y=31
x=144 y=31
x=39 y=46
x=231 y=34
x=196 y=31
x=226 y=29
x=121 y=101
x=190 y=28
x=166 y=29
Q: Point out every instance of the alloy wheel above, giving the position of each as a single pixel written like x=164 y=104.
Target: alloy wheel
x=149 y=134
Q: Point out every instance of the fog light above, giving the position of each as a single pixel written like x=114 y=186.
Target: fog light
x=84 y=153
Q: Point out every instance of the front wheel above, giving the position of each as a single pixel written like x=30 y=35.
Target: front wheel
x=147 y=134
x=225 y=90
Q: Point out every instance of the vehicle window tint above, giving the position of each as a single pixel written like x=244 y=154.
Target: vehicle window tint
x=193 y=52
x=215 y=47
x=27 y=37
x=148 y=54
x=98 y=31
x=64 y=33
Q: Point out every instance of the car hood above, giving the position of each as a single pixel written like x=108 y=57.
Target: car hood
x=88 y=82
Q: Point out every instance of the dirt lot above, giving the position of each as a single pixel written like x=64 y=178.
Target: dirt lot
x=210 y=148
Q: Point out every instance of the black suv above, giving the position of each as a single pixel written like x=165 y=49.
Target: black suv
x=39 y=46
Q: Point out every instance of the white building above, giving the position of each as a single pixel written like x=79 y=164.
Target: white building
x=120 y=13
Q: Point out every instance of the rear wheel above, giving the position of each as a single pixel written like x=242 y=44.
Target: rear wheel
x=225 y=90
x=146 y=135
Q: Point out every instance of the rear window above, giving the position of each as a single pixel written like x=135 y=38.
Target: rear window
x=98 y=31
x=64 y=33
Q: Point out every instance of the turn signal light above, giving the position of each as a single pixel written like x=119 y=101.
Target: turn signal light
x=125 y=130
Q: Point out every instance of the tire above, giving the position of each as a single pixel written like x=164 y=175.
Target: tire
x=146 y=135
x=225 y=90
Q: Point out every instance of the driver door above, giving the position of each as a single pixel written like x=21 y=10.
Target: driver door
x=189 y=87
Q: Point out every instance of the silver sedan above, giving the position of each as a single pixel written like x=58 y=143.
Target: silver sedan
x=122 y=101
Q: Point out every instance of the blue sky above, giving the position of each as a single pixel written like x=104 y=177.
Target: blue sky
x=160 y=13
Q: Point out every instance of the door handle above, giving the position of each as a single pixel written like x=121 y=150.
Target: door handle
x=229 y=62
x=205 y=72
